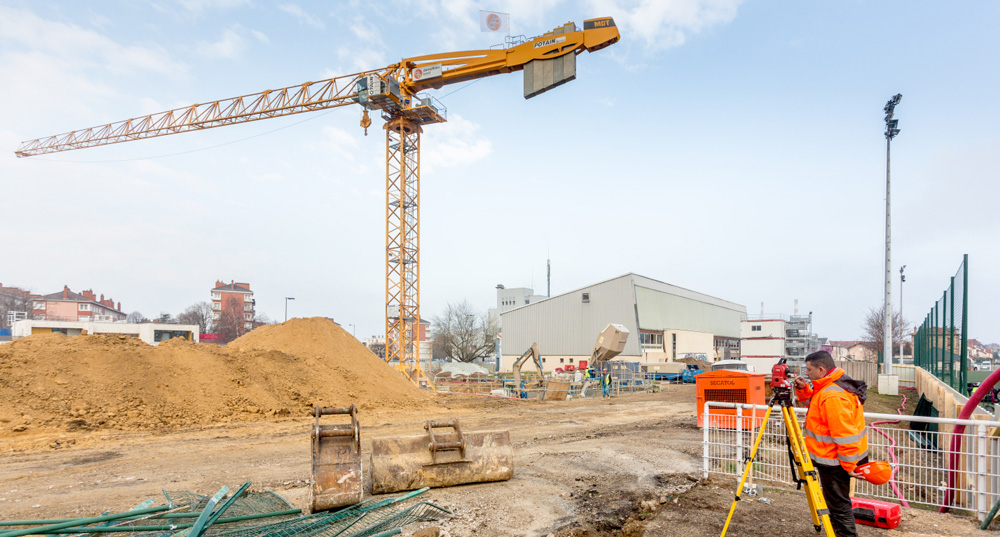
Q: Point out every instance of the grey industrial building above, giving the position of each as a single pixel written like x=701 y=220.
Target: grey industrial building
x=665 y=322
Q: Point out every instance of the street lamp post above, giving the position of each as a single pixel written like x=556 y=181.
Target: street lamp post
x=891 y=131
x=354 y=331
x=902 y=339
x=287 y=298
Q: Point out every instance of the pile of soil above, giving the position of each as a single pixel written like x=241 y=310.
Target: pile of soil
x=705 y=366
x=51 y=381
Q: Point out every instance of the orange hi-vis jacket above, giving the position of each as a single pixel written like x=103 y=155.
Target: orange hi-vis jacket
x=835 y=423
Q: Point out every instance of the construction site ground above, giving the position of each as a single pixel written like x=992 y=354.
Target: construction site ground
x=626 y=466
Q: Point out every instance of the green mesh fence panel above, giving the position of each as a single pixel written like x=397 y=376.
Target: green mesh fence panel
x=940 y=344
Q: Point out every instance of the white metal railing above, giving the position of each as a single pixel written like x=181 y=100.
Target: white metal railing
x=921 y=456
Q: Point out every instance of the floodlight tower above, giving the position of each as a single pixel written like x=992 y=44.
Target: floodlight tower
x=891 y=130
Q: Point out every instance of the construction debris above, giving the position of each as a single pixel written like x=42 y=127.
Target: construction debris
x=249 y=514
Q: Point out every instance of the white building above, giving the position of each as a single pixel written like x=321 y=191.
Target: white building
x=151 y=333
x=767 y=338
x=508 y=299
x=665 y=323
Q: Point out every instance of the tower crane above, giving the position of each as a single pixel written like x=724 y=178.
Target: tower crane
x=548 y=61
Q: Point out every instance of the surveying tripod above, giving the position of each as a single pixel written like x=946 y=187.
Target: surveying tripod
x=803 y=468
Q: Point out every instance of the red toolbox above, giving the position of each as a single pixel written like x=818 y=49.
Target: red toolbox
x=875 y=513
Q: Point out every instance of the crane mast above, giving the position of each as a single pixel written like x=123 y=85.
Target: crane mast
x=548 y=61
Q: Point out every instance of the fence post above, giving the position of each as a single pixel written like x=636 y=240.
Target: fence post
x=705 y=424
x=739 y=430
x=951 y=339
x=982 y=501
x=965 y=325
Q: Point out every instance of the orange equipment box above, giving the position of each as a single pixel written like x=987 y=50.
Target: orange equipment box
x=730 y=386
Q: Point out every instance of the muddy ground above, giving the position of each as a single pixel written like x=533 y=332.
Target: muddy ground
x=628 y=466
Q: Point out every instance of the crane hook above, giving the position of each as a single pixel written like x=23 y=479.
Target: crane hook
x=366 y=121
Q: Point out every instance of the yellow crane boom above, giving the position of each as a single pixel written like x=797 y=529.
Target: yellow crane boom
x=548 y=61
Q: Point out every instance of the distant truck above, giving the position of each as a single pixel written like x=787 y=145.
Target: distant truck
x=672 y=372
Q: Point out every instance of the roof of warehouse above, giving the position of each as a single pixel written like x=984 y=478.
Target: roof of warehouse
x=633 y=275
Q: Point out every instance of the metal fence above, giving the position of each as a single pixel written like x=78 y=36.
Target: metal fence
x=917 y=446
x=941 y=343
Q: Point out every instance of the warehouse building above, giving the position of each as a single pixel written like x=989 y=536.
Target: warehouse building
x=665 y=323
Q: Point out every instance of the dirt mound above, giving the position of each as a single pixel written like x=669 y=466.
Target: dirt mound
x=119 y=382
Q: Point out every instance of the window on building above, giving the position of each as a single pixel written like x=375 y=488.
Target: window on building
x=247 y=298
x=570 y=360
x=247 y=307
x=38 y=305
x=755 y=328
x=84 y=307
x=651 y=339
x=526 y=301
x=216 y=296
x=673 y=346
x=216 y=316
x=247 y=316
x=543 y=360
x=216 y=306
x=247 y=326
x=561 y=360
x=586 y=297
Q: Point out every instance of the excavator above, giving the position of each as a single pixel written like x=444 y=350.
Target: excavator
x=520 y=388
x=548 y=61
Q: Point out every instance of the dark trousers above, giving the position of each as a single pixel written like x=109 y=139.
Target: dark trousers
x=836 y=490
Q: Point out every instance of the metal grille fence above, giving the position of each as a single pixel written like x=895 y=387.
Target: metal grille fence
x=921 y=456
x=941 y=343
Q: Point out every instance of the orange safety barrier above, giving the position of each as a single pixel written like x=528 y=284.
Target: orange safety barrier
x=731 y=386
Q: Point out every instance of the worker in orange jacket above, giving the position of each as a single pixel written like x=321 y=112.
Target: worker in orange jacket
x=835 y=433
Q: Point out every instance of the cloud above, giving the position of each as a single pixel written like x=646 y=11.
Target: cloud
x=454 y=143
x=663 y=24
x=303 y=17
x=70 y=42
x=230 y=46
x=197 y=6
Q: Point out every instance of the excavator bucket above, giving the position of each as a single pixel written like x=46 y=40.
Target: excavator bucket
x=440 y=458
x=336 y=461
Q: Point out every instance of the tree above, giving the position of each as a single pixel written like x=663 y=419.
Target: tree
x=14 y=300
x=873 y=331
x=232 y=320
x=136 y=317
x=200 y=314
x=463 y=334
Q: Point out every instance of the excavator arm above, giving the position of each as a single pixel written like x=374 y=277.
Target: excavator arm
x=531 y=353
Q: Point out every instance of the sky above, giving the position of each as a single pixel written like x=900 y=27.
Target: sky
x=732 y=148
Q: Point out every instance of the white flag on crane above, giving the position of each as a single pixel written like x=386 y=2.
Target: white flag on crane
x=492 y=21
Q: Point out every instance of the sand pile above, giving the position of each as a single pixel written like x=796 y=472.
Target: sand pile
x=116 y=382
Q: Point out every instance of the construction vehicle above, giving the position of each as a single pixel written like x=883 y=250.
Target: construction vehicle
x=337 y=480
x=520 y=388
x=440 y=459
x=610 y=343
x=548 y=61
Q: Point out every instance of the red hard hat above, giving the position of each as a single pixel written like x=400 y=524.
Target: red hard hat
x=877 y=472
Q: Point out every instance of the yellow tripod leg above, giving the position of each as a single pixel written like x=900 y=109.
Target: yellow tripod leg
x=746 y=471
x=817 y=503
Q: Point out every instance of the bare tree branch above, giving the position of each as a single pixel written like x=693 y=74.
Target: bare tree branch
x=873 y=331
x=463 y=334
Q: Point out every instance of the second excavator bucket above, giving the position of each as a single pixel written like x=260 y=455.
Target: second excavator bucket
x=440 y=459
x=336 y=461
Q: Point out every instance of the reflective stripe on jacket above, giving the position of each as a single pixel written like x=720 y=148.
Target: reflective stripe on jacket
x=835 y=423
